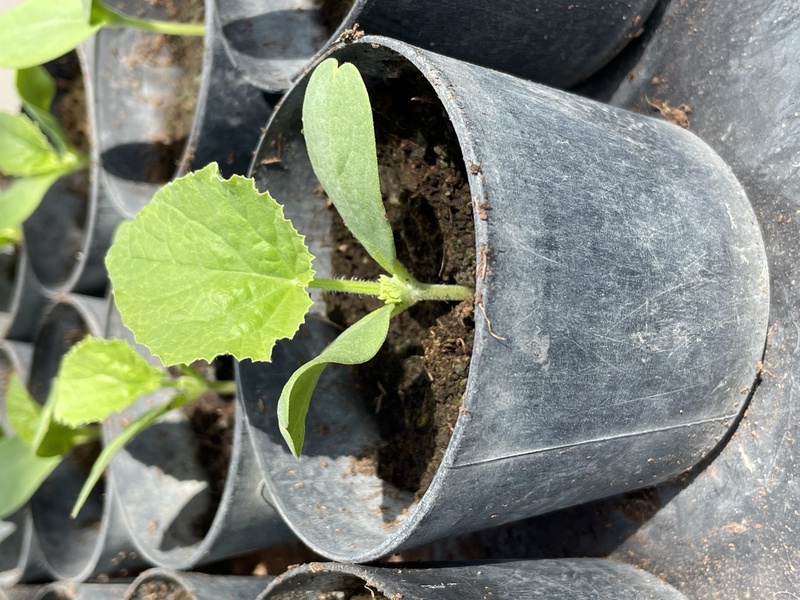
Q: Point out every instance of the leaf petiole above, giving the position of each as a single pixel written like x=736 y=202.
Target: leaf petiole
x=108 y=16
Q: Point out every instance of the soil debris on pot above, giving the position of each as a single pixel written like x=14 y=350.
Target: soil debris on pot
x=211 y=417
x=418 y=379
x=160 y=590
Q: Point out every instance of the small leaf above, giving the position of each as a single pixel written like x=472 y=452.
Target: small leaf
x=99 y=377
x=340 y=137
x=357 y=344
x=22 y=472
x=38 y=31
x=110 y=450
x=210 y=267
x=23 y=412
x=25 y=150
x=22 y=197
x=36 y=87
x=53 y=438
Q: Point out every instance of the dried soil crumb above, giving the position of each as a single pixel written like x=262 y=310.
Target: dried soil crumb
x=160 y=590
x=674 y=114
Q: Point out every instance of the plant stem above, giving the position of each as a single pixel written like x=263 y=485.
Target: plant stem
x=113 y=18
x=349 y=286
x=194 y=380
x=437 y=291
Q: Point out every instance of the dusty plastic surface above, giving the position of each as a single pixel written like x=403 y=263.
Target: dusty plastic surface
x=95 y=542
x=728 y=530
x=556 y=42
x=139 y=82
x=163 y=489
x=67 y=236
x=20 y=556
x=198 y=586
x=623 y=266
x=60 y=590
x=23 y=298
x=570 y=579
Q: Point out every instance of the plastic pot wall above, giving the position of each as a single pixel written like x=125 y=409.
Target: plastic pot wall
x=60 y=590
x=67 y=236
x=558 y=43
x=163 y=488
x=96 y=541
x=20 y=557
x=195 y=586
x=143 y=95
x=22 y=298
x=575 y=579
x=623 y=271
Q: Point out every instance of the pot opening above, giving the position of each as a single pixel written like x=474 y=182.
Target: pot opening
x=8 y=264
x=158 y=588
x=375 y=433
x=154 y=81
x=68 y=544
x=328 y=585
x=55 y=233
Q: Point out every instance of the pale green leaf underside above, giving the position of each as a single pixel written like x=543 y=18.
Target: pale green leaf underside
x=23 y=412
x=22 y=472
x=25 y=150
x=99 y=377
x=340 y=137
x=53 y=438
x=11 y=234
x=111 y=448
x=357 y=344
x=36 y=87
x=20 y=199
x=210 y=267
x=38 y=31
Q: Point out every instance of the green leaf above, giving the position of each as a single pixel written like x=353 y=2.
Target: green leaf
x=340 y=137
x=25 y=150
x=357 y=344
x=22 y=472
x=53 y=438
x=36 y=87
x=22 y=197
x=99 y=377
x=10 y=235
x=23 y=412
x=210 y=267
x=110 y=450
x=38 y=31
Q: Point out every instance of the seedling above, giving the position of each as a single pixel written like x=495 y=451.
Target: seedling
x=211 y=266
x=33 y=149
x=38 y=31
x=96 y=378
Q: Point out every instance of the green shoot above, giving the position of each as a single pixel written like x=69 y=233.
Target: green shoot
x=34 y=149
x=239 y=272
x=38 y=31
x=96 y=378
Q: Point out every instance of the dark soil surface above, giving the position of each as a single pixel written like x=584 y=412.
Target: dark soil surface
x=419 y=376
x=69 y=105
x=333 y=13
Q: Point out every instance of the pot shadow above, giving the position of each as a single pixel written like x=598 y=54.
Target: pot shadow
x=292 y=34
x=143 y=162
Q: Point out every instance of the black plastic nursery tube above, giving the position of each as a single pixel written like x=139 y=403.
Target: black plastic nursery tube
x=559 y=43
x=23 y=297
x=620 y=311
x=68 y=234
x=564 y=579
x=20 y=557
x=182 y=506
x=147 y=86
x=61 y=590
x=165 y=583
x=95 y=542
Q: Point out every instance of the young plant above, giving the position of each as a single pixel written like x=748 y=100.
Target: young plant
x=34 y=150
x=38 y=31
x=212 y=267
x=96 y=378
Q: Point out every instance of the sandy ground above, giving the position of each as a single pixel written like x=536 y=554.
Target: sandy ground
x=8 y=97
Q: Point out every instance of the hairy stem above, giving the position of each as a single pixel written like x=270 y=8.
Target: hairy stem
x=113 y=18
x=348 y=286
